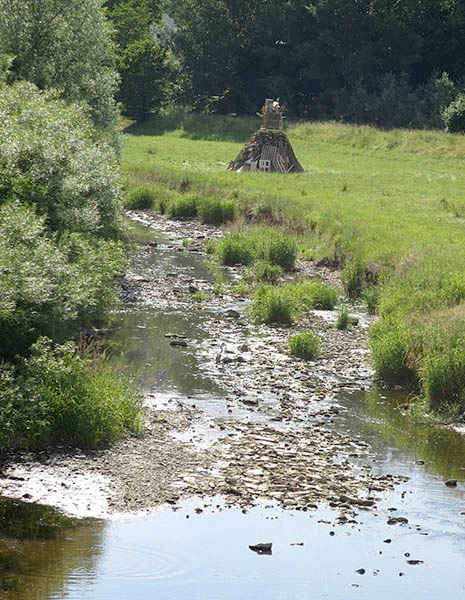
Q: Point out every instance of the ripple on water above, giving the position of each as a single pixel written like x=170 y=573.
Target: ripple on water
x=143 y=563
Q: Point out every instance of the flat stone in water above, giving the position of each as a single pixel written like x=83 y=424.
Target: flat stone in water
x=178 y=343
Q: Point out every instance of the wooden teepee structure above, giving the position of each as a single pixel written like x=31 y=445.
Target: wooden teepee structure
x=268 y=149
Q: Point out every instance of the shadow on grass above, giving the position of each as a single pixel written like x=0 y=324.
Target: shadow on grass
x=216 y=128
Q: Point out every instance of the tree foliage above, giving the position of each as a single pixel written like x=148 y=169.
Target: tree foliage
x=59 y=201
x=62 y=44
x=142 y=62
x=325 y=58
x=51 y=156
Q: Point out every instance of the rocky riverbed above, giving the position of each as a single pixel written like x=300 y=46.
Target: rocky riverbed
x=265 y=439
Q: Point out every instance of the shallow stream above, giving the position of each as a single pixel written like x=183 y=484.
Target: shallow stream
x=411 y=546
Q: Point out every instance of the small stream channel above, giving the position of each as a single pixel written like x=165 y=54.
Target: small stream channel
x=201 y=550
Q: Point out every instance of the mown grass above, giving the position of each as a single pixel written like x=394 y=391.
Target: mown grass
x=386 y=206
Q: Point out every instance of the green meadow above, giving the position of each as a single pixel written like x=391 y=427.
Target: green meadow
x=386 y=207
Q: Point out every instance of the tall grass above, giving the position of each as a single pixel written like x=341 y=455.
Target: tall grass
x=284 y=304
x=305 y=345
x=264 y=244
x=56 y=396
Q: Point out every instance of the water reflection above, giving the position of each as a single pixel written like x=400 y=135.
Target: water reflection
x=141 y=348
x=138 y=334
x=207 y=556
x=40 y=547
x=379 y=417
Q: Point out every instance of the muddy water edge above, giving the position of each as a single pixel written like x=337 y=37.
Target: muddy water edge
x=245 y=445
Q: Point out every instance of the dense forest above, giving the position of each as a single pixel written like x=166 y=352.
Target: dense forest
x=378 y=61
x=382 y=62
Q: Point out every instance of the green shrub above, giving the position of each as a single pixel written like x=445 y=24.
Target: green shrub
x=390 y=350
x=242 y=287
x=305 y=345
x=235 y=249
x=141 y=197
x=371 y=297
x=274 y=305
x=52 y=159
x=50 y=284
x=55 y=396
x=200 y=296
x=215 y=211
x=183 y=205
x=454 y=115
x=267 y=273
x=353 y=278
x=316 y=295
x=441 y=356
x=343 y=318
x=280 y=249
x=260 y=244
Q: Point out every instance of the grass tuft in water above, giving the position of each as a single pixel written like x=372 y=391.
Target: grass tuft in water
x=343 y=318
x=306 y=344
x=283 y=305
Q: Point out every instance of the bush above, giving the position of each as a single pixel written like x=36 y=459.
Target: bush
x=280 y=249
x=371 y=297
x=200 y=296
x=56 y=397
x=441 y=356
x=454 y=115
x=390 y=351
x=142 y=197
x=274 y=305
x=49 y=285
x=260 y=244
x=235 y=249
x=53 y=159
x=284 y=304
x=267 y=273
x=353 y=278
x=305 y=345
x=184 y=205
x=215 y=211
x=316 y=295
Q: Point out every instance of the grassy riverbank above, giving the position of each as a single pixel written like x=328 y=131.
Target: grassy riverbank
x=385 y=207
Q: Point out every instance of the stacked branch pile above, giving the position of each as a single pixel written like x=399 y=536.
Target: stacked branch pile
x=267 y=150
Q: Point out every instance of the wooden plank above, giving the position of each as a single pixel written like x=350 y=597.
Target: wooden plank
x=269 y=153
x=280 y=164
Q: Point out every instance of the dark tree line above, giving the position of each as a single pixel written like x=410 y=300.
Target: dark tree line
x=389 y=62
x=392 y=62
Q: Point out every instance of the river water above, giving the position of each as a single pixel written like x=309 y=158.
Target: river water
x=201 y=550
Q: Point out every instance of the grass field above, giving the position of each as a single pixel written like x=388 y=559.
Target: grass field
x=388 y=207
